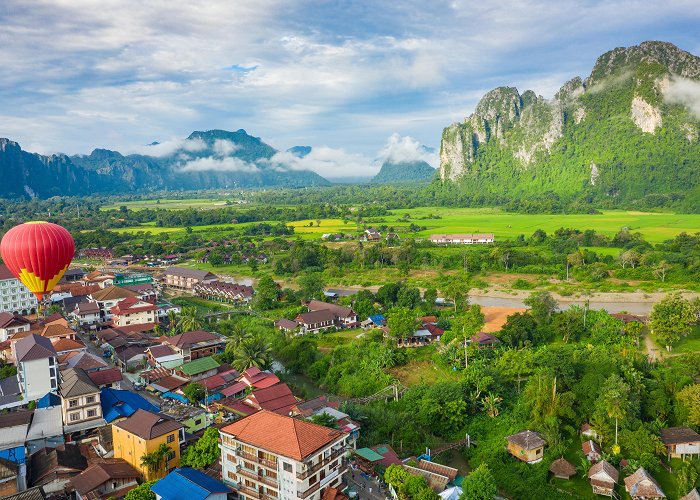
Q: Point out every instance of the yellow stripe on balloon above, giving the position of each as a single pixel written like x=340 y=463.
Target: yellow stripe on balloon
x=37 y=285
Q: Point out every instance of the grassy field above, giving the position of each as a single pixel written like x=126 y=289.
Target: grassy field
x=168 y=204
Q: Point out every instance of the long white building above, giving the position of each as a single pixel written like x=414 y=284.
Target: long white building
x=14 y=296
x=462 y=239
x=267 y=456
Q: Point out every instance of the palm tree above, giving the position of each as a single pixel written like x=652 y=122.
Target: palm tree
x=490 y=403
x=155 y=460
x=190 y=319
x=252 y=352
x=236 y=337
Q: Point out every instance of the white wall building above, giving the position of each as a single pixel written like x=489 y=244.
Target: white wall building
x=269 y=456
x=14 y=296
x=462 y=239
x=37 y=368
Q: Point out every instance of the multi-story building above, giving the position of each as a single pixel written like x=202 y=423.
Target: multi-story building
x=267 y=456
x=11 y=324
x=86 y=313
x=184 y=278
x=37 y=367
x=80 y=401
x=109 y=297
x=195 y=344
x=133 y=311
x=142 y=433
x=14 y=296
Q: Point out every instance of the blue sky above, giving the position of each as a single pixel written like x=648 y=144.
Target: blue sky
x=345 y=76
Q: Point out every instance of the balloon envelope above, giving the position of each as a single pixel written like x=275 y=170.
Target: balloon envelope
x=37 y=253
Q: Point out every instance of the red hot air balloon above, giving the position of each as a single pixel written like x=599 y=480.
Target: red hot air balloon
x=37 y=253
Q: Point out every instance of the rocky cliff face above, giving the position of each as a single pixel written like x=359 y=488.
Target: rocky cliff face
x=622 y=119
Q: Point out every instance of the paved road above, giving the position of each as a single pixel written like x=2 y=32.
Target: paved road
x=366 y=490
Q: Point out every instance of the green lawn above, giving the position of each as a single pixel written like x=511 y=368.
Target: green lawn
x=691 y=343
x=168 y=204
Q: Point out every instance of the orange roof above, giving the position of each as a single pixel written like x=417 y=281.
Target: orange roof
x=282 y=435
x=63 y=344
x=56 y=330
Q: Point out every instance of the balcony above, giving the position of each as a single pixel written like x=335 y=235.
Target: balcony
x=250 y=492
x=325 y=481
x=315 y=468
x=270 y=464
x=258 y=477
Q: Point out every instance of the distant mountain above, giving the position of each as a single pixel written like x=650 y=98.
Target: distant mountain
x=404 y=171
x=300 y=151
x=211 y=159
x=627 y=132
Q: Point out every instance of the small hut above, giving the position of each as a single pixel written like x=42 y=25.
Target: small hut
x=562 y=468
x=642 y=486
x=692 y=495
x=603 y=477
x=527 y=446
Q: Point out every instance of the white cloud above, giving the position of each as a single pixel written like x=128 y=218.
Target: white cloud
x=222 y=147
x=169 y=147
x=211 y=164
x=327 y=162
x=685 y=92
x=406 y=149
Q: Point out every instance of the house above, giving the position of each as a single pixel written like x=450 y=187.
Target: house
x=9 y=477
x=527 y=446
x=692 y=495
x=80 y=401
x=372 y=235
x=103 y=280
x=641 y=486
x=198 y=369
x=118 y=404
x=222 y=291
x=13 y=435
x=485 y=340
x=111 y=478
x=277 y=398
x=11 y=324
x=286 y=325
x=133 y=311
x=257 y=379
x=342 y=420
x=281 y=457
x=52 y=468
x=14 y=296
x=462 y=239
x=589 y=432
x=109 y=297
x=374 y=321
x=127 y=356
x=30 y=494
x=316 y=321
x=195 y=344
x=142 y=433
x=72 y=275
x=37 y=367
x=603 y=478
x=681 y=442
x=164 y=355
x=192 y=419
x=392 y=236
x=183 y=278
x=342 y=316
x=189 y=484
x=437 y=475
x=65 y=346
x=86 y=314
x=562 y=468
x=109 y=378
x=592 y=451
x=45 y=429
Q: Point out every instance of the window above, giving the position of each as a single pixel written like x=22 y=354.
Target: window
x=74 y=417
x=52 y=372
x=52 y=361
x=72 y=403
x=313 y=479
x=171 y=438
x=287 y=467
x=537 y=452
x=171 y=456
x=90 y=399
x=92 y=413
x=230 y=458
x=231 y=475
x=53 y=383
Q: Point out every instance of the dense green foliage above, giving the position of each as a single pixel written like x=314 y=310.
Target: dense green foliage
x=402 y=172
x=204 y=452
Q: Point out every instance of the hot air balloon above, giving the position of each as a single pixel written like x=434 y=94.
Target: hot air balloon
x=37 y=253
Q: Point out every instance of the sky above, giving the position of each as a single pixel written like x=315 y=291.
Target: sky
x=357 y=80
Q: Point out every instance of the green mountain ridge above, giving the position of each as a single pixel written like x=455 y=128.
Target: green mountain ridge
x=397 y=172
x=617 y=137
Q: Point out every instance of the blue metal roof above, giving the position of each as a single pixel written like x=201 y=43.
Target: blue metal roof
x=377 y=318
x=121 y=404
x=185 y=483
x=48 y=401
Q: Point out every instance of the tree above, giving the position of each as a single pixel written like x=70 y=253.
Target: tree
x=689 y=402
x=542 y=305
x=235 y=333
x=402 y=322
x=491 y=402
x=252 y=352
x=325 y=419
x=661 y=270
x=311 y=285
x=479 y=485
x=520 y=330
x=395 y=475
x=615 y=400
x=265 y=293
x=569 y=324
x=204 y=452
x=194 y=392
x=155 y=461
x=672 y=318
x=190 y=319
x=687 y=476
x=142 y=492
x=429 y=297
x=457 y=291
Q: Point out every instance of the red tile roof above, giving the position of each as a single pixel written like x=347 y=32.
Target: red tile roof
x=277 y=398
x=104 y=377
x=188 y=338
x=286 y=436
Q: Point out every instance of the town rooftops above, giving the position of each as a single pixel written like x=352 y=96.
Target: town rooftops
x=277 y=398
x=75 y=382
x=185 y=272
x=87 y=308
x=436 y=468
x=63 y=345
x=320 y=316
x=147 y=425
x=338 y=311
x=287 y=324
x=46 y=461
x=8 y=319
x=641 y=484
x=185 y=482
x=599 y=471
x=161 y=351
x=56 y=329
x=113 y=293
x=132 y=305
x=282 y=435
x=122 y=404
x=198 y=366
x=108 y=376
x=35 y=493
x=679 y=435
x=187 y=339
x=369 y=454
x=98 y=474
x=527 y=440
x=34 y=347
x=85 y=360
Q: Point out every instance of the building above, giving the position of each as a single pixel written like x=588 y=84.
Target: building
x=267 y=455
x=692 y=495
x=52 y=468
x=222 y=291
x=592 y=451
x=183 y=278
x=14 y=296
x=190 y=484
x=195 y=344
x=118 y=404
x=37 y=367
x=80 y=401
x=588 y=431
x=286 y=325
x=142 y=433
x=133 y=311
x=46 y=427
x=111 y=478
x=198 y=369
x=110 y=378
x=462 y=239
x=277 y=398
x=11 y=324
x=641 y=486
x=342 y=316
x=86 y=314
x=527 y=446
x=109 y=297
x=603 y=477
x=562 y=468
x=372 y=234
x=681 y=442
x=13 y=435
x=316 y=321
x=484 y=340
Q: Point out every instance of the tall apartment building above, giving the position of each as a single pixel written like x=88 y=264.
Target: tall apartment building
x=267 y=456
x=37 y=367
x=14 y=296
